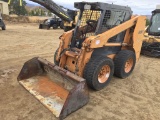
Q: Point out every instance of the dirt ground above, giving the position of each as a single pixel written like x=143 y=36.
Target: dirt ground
x=134 y=98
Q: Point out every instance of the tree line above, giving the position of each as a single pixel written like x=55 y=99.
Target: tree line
x=39 y=12
x=15 y=8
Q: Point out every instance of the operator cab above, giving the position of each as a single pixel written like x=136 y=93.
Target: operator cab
x=154 y=27
x=96 y=18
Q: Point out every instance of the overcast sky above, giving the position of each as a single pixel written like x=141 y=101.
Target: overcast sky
x=143 y=7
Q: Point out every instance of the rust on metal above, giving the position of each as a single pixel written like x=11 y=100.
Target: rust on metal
x=71 y=54
x=104 y=74
x=46 y=88
x=128 y=65
x=61 y=91
x=47 y=92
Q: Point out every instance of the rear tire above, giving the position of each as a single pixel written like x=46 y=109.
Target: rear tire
x=40 y=26
x=61 y=25
x=98 y=72
x=124 y=63
x=55 y=26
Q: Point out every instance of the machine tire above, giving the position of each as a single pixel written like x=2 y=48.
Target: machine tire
x=61 y=25
x=92 y=72
x=55 y=54
x=124 y=63
x=4 y=27
x=55 y=26
x=40 y=26
x=66 y=28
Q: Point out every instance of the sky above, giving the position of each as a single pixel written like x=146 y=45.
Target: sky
x=140 y=7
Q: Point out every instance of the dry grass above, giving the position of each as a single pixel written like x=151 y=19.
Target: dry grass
x=24 y=19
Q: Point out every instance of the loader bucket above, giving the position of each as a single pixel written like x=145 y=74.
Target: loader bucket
x=61 y=91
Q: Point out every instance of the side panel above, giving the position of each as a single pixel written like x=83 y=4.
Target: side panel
x=138 y=35
x=101 y=39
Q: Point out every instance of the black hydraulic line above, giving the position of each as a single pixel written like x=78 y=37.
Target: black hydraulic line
x=54 y=8
x=75 y=32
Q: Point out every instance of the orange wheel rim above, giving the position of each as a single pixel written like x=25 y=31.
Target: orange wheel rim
x=104 y=74
x=128 y=65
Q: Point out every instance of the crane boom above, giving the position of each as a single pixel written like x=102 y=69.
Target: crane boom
x=54 y=8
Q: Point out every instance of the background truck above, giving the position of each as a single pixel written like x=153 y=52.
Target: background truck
x=51 y=22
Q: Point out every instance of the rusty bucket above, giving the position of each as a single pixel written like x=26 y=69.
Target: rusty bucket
x=61 y=91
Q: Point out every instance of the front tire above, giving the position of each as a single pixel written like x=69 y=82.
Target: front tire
x=124 y=63
x=98 y=72
x=4 y=27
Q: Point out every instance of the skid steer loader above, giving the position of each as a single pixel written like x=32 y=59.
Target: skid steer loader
x=151 y=43
x=106 y=40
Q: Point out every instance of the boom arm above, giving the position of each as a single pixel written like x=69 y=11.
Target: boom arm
x=102 y=39
x=116 y=30
x=54 y=8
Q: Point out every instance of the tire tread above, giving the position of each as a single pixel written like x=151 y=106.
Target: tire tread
x=119 y=61
x=91 y=68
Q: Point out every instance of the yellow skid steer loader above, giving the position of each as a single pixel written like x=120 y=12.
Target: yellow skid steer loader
x=151 y=43
x=107 y=40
